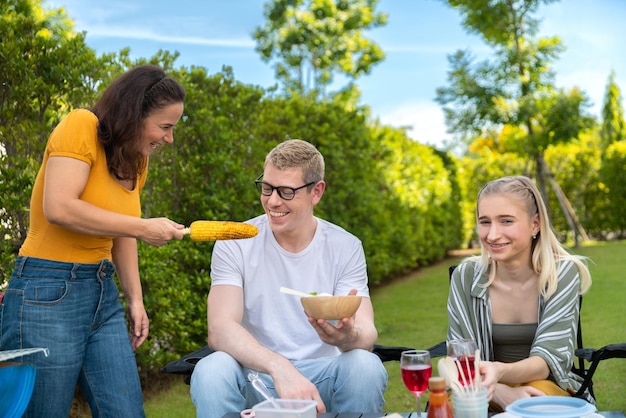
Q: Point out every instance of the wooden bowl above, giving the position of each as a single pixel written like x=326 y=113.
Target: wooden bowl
x=330 y=307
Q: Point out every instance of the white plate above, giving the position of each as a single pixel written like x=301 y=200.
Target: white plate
x=509 y=415
x=551 y=406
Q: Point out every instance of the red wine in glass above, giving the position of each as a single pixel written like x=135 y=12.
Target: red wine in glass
x=416 y=377
x=467 y=368
x=463 y=352
x=416 y=368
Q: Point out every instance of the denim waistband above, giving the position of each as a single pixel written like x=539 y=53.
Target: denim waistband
x=26 y=266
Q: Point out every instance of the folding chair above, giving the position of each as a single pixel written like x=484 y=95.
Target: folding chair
x=594 y=357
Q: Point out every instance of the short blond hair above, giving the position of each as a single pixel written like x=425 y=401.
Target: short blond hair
x=296 y=153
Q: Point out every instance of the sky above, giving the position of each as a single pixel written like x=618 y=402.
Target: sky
x=417 y=40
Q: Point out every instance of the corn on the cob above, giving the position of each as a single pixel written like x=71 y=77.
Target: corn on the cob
x=220 y=230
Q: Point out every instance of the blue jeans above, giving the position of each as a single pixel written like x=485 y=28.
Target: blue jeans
x=354 y=381
x=74 y=310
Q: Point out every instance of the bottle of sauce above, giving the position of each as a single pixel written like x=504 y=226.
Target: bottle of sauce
x=438 y=405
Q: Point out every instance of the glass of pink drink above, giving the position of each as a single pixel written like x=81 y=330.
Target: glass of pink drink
x=463 y=352
x=416 y=368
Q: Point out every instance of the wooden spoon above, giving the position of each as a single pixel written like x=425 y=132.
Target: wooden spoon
x=299 y=293
x=447 y=370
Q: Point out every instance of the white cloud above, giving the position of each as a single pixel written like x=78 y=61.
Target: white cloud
x=107 y=31
x=592 y=82
x=425 y=121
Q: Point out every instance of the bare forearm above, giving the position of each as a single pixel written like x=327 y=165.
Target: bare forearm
x=65 y=182
x=365 y=336
x=86 y=218
x=523 y=371
x=124 y=253
x=243 y=347
x=364 y=331
x=80 y=216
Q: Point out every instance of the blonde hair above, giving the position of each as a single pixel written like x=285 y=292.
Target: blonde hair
x=547 y=251
x=296 y=153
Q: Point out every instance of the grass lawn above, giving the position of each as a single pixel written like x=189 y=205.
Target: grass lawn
x=411 y=311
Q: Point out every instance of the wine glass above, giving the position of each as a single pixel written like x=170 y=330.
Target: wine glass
x=463 y=352
x=416 y=368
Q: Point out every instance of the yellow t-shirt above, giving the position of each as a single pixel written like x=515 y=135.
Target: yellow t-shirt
x=76 y=137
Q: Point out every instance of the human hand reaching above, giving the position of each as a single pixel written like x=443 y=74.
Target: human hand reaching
x=490 y=376
x=159 y=231
x=291 y=384
x=502 y=394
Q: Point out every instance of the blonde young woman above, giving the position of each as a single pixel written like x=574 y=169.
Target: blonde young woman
x=519 y=300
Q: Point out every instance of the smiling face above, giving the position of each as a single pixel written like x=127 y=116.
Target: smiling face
x=158 y=127
x=505 y=228
x=290 y=217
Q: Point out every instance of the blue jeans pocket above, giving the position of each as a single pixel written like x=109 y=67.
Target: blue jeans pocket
x=46 y=293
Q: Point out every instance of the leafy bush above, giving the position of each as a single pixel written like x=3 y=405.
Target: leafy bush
x=613 y=184
x=575 y=168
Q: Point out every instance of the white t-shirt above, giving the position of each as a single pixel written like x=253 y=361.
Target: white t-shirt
x=334 y=262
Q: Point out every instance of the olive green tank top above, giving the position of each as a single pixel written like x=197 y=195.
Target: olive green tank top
x=512 y=342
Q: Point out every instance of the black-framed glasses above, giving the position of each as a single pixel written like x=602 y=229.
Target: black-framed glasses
x=285 y=192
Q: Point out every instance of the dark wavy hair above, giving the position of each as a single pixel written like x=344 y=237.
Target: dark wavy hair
x=121 y=109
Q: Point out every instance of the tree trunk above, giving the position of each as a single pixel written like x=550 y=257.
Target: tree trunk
x=566 y=207
x=542 y=173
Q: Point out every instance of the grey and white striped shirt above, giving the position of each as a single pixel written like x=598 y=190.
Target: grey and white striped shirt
x=469 y=316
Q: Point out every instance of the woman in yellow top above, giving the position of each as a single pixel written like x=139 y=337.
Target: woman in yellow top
x=84 y=225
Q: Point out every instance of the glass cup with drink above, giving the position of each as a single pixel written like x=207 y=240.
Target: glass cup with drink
x=416 y=368
x=463 y=352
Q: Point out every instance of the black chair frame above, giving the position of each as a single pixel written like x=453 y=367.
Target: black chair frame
x=185 y=365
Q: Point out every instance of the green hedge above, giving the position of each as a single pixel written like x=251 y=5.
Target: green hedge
x=613 y=185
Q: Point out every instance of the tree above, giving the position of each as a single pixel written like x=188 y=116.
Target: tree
x=517 y=88
x=613 y=125
x=312 y=39
x=45 y=69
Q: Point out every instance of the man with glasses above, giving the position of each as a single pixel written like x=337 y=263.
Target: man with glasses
x=255 y=328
